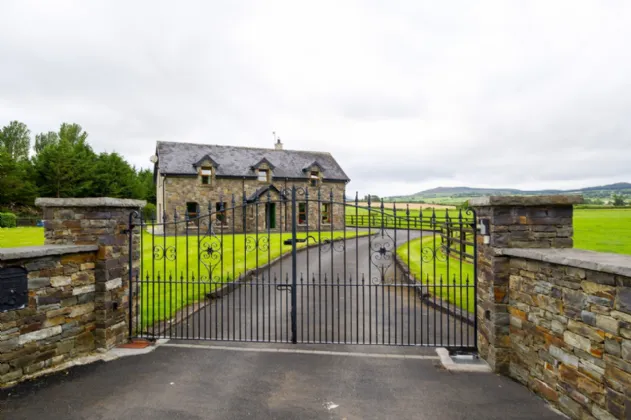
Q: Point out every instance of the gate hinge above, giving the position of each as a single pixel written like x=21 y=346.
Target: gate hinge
x=129 y=229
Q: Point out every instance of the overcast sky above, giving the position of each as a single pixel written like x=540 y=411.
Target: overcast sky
x=406 y=95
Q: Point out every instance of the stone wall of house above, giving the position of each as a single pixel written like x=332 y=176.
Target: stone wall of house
x=570 y=330
x=181 y=190
x=59 y=321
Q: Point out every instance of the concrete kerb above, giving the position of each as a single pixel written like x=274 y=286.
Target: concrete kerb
x=26 y=252
x=526 y=200
x=90 y=202
x=617 y=264
x=449 y=364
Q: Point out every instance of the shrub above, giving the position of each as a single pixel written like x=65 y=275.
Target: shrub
x=618 y=200
x=149 y=212
x=8 y=220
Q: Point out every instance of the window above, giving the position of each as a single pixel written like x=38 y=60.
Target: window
x=314 y=178
x=221 y=212
x=192 y=212
x=192 y=209
x=325 y=212
x=302 y=213
x=263 y=175
x=206 y=174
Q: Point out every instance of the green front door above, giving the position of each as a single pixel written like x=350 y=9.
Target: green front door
x=270 y=215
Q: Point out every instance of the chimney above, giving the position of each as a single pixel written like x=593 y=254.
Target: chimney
x=278 y=145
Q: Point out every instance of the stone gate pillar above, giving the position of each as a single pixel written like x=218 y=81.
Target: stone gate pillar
x=99 y=221
x=511 y=222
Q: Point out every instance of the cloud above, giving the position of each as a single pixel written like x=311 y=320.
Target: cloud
x=407 y=95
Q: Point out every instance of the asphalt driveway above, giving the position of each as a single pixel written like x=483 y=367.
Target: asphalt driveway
x=261 y=383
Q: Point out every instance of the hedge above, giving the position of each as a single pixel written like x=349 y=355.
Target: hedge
x=149 y=212
x=8 y=220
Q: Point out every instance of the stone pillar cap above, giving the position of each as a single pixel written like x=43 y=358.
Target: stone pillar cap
x=526 y=200
x=90 y=202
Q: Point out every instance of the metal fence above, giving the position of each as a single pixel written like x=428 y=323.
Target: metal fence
x=28 y=221
x=289 y=267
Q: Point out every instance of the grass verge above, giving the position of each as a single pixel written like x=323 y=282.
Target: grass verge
x=446 y=278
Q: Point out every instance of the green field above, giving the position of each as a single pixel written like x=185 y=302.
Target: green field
x=605 y=230
x=446 y=278
x=21 y=236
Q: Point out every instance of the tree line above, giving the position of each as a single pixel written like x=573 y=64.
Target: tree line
x=63 y=164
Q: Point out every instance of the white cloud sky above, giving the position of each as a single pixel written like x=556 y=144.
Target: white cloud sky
x=407 y=95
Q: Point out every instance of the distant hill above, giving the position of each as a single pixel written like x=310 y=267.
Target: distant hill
x=450 y=195
x=468 y=190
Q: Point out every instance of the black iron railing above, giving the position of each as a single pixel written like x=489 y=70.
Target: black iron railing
x=28 y=221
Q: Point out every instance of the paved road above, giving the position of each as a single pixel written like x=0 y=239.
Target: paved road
x=346 y=293
x=184 y=383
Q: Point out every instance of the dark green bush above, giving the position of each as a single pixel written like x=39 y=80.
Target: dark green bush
x=8 y=220
x=149 y=212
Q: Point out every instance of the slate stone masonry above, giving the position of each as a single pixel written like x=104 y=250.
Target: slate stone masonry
x=570 y=331
x=59 y=321
x=102 y=222
x=514 y=222
x=554 y=318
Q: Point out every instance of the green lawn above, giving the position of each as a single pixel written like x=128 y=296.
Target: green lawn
x=605 y=230
x=21 y=236
x=429 y=266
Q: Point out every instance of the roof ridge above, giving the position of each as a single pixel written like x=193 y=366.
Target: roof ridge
x=243 y=147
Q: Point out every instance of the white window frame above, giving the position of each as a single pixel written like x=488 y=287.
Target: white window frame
x=260 y=172
x=206 y=171
x=314 y=176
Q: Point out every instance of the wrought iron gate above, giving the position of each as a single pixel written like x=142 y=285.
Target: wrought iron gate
x=305 y=267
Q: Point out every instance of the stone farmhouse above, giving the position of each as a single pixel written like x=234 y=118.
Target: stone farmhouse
x=192 y=179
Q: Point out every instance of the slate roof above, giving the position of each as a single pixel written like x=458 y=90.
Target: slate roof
x=179 y=159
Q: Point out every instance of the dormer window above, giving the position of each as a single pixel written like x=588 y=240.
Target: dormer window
x=263 y=175
x=314 y=179
x=206 y=174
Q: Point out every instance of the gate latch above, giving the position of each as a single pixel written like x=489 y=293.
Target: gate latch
x=485 y=231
